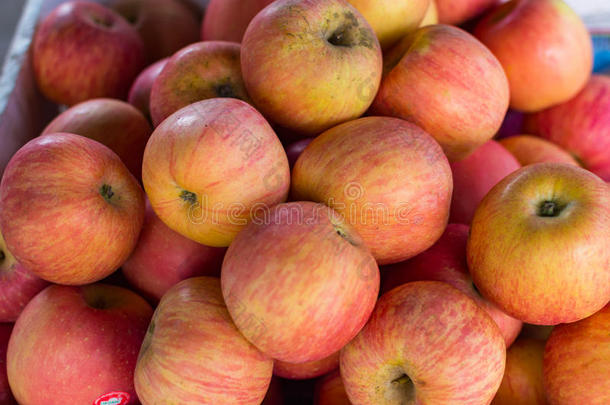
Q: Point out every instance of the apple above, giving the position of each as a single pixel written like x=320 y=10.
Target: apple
x=208 y=166
x=457 y=12
x=580 y=126
x=577 y=361
x=474 y=176
x=114 y=123
x=6 y=396
x=538 y=245
x=294 y=150
x=392 y=19
x=544 y=47
x=163 y=258
x=531 y=149
x=299 y=282
x=198 y=72
x=227 y=20
x=425 y=343
x=304 y=371
x=83 y=50
x=139 y=94
x=164 y=25
x=330 y=390
x=70 y=211
x=18 y=286
x=431 y=16
x=444 y=80
x=446 y=261
x=194 y=354
x=310 y=65
x=522 y=381
x=388 y=178
x=79 y=343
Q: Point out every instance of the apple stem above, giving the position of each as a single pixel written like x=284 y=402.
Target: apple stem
x=549 y=209
x=402 y=380
x=106 y=192
x=188 y=196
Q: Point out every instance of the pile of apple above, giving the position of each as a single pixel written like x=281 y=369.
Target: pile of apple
x=310 y=193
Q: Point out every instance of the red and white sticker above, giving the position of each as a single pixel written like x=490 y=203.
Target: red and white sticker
x=113 y=398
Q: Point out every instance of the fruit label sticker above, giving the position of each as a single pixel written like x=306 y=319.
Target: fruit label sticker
x=113 y=398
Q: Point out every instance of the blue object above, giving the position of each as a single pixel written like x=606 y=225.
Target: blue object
x=601 y=46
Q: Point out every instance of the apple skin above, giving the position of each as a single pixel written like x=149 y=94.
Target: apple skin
x=194 y=354
x=544 y=47
x=538 y=245
x=431 y=16
x=197 y=72
x=446 y=261
x=580 y=126
x=83 y=50
x=333 y=277
x=164 y=25
x=329 y=390
x=208 y=166
x=392 y=19
x=389 y=179
x=139 y=94
x=474 y=176
x=457 y=12
x=522 y=381
x=530 y=149
x=114 y=123
x=227 y=20
x=307 y=370
x=461 y=108
x=70 y=211
x=163 y=258
x=577 y=361
x=294 y=150
x=309 y=65
x=18 y=286
x=96 y=329
x=417 y=346
x=6 y=396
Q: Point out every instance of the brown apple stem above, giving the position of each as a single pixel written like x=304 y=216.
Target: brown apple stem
x=106 y=192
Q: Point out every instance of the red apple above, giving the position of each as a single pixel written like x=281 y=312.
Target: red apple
x=83 y=50
x=530 y=149
x=164 y=25
x=580 y=126
x=544 y=47
x=294 y=150
x=139 y=94
x=198 y=72
x=299 y=282
x=163 y=258
x=538 y=245
x=386 y=177
x=330 y=390
x=311 y=64
x=425 y=343
x=392 y=19
x=227 y=20
x=577 y=362
x=304 y=371
x=193 y=354
x=114 y=123
x=70 y=211
x=522 y=381
x=79 y=343
x=444 y=80
x=474 y=176
x=6 y=396
x=456 y=12
x=446 y=261
x=18 y=286
x=208 y=167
